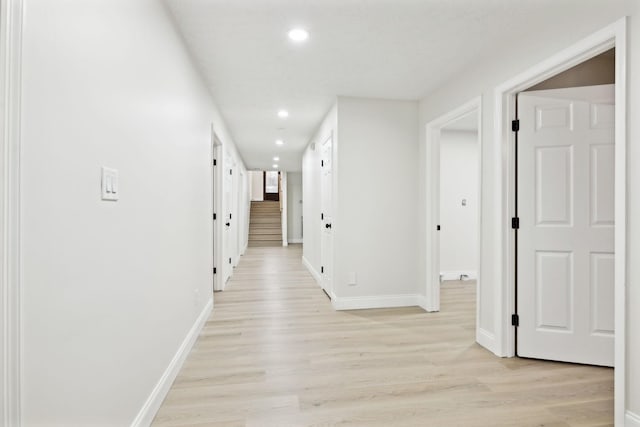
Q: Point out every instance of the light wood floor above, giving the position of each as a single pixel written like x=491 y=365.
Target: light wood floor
x=274 y=353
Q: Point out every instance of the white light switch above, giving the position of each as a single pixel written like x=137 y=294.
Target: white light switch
x=352 y=279
x=109 y=184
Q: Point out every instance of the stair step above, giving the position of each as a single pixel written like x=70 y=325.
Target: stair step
x=265 y=221
x=265 y=237
x=265 y=230
x=265 y=243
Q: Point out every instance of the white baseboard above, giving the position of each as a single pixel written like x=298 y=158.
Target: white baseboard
x=294 y=241
x=312 y=270
x=382 y=301
x=422 y=302
x=631 y=420
x=455 y=274
x=151 y=406
x=487 y=340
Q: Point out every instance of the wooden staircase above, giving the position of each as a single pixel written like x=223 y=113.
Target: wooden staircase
x=265 y=227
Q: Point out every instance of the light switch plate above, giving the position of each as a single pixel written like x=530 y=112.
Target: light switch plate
x=110 y=184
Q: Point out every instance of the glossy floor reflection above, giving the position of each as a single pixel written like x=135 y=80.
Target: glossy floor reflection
x=275 y=353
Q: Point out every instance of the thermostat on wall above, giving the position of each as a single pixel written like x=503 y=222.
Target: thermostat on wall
x=109 y=184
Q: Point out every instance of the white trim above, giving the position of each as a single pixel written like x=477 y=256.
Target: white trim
x=295 y=241
x=422 y=302
x=218 y=231
x=284 y=225
x=11 y=14
x=313 y=271
x=382 y=301
x=613 y=35
x=432 y=209
x=631 y=420
x=455 y=274
x=329 y=287
x=159 y=392
x=486 y=339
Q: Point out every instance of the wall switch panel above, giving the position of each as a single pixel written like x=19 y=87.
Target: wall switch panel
x=110 y=189
x=353 y=279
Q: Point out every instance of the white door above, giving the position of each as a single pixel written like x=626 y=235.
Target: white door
x=327 y=216
x=566 y=236
x=213 y=215
x=228 y=217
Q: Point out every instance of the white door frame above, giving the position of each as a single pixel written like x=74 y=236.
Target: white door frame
x=432 y=208
x=284 y=215
x=331 y=291
x=11 y=13
x=613 y=35
x=216 y=175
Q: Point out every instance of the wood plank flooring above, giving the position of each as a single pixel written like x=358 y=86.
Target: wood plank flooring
x=275 y=353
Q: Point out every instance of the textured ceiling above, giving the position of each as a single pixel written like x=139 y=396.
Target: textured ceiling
x=395 y=49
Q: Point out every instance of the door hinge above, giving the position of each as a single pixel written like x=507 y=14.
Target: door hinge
x=515 y=223
x=215 y=270
x=321 y=270
x=321 y=216
x=515 y=125
x=230 y=171
x=229 y=260
x=438 y=227
x=215 y=217
x=321 y=163
x=215 y=163
x=229 y=216
x=515 y=320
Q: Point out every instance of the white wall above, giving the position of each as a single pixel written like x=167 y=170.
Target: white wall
x=504 y=64
x=294 y=206
x=459 y=224
x=257 y=185
x=376 y=182
x=110 y=289
x=311 y=190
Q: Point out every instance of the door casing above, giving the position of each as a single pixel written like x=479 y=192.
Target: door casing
x=11 y=23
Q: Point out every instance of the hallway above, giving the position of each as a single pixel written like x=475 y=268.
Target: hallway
x=275 y=353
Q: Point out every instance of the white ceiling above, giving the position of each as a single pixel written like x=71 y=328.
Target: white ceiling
x=395 y=49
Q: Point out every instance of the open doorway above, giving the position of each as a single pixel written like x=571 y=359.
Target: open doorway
x=271 y=186
x=564 y=235
x=454 y=207
x=459 y=162
x=267 y=216
x=459 y=212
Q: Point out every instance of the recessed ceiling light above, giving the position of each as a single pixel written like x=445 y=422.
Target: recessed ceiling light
x=283 y=114
x=279 y=142
x=298 y=34
x=275 y=159
x=275 y=166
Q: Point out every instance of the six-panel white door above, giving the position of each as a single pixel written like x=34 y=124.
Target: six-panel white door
x=566 y=236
